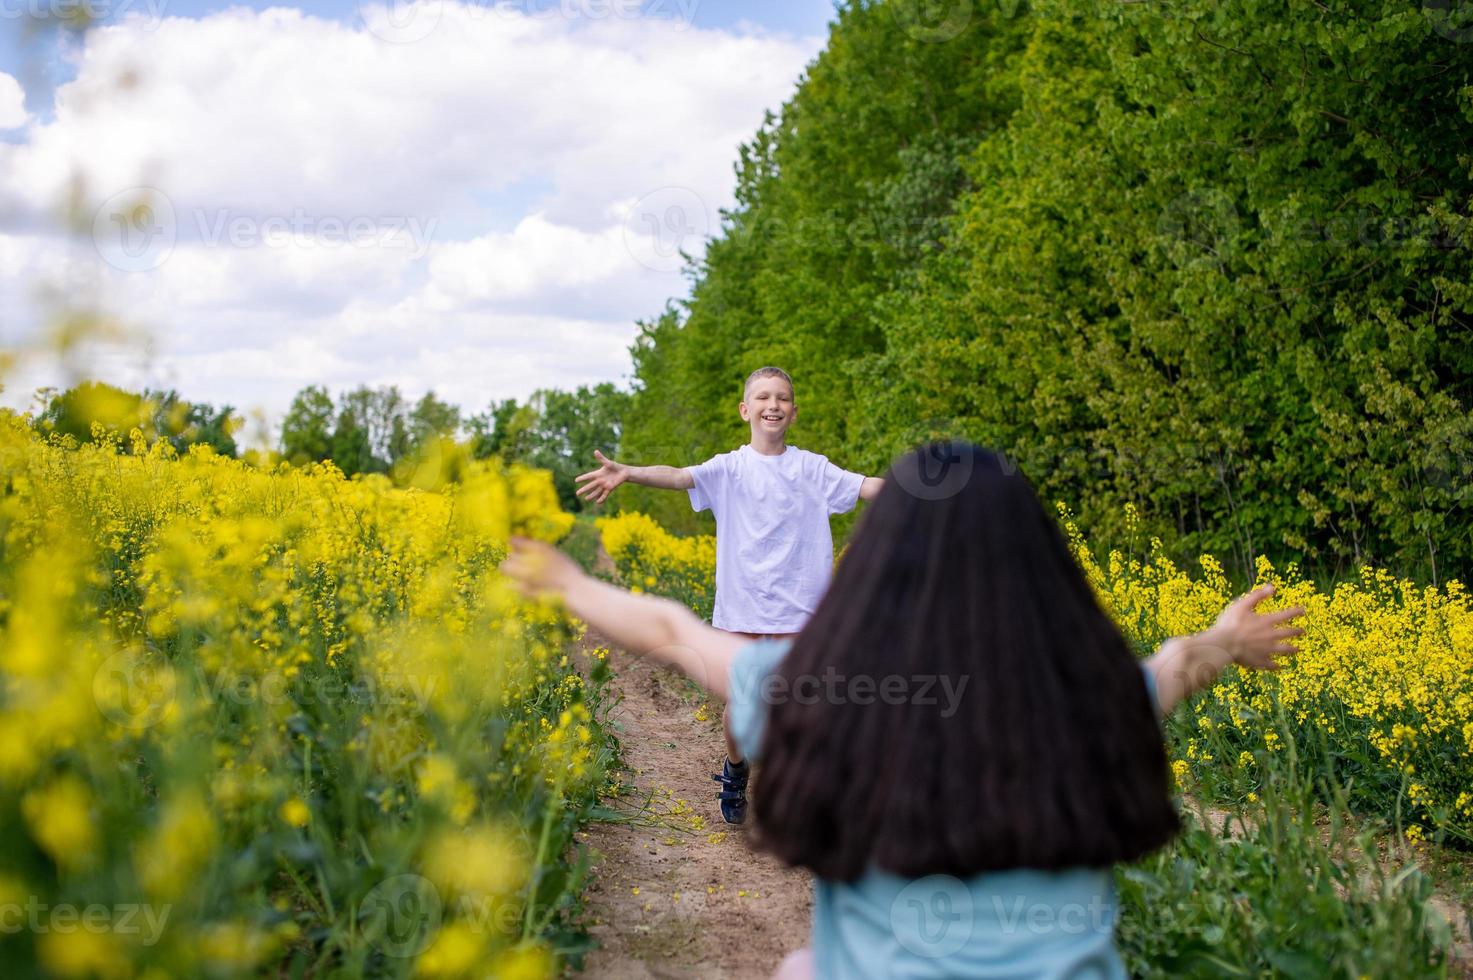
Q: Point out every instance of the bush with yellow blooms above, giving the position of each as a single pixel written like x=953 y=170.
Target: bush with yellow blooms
x=261 y=720
x=1271 y=876
x=1382 y=687
x=1380 y=694
x=650 y=559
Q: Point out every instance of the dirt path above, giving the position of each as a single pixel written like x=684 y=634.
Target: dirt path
x=681 y=894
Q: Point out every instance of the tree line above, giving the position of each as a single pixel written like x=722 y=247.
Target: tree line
x=364 y=430
x=1211 y=259
x=375 y=430
x=92 y=410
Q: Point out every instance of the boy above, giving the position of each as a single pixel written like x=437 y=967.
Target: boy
x=774 y=549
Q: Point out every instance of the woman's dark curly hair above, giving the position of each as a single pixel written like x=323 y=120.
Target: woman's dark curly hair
x=1052 y=756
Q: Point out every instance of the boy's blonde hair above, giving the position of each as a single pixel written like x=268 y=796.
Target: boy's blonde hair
x=766 y=372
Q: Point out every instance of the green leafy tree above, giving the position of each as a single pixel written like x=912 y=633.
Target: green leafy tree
x=555 y=430
x=502 y=430
x=74 y=412
x=432 y=418
x=1209 y=260
x=187 y=424
x=307 y=430
x=372 y=430
x=157 y=414
x=352 y=449
x=569 y=426
x=214 y=427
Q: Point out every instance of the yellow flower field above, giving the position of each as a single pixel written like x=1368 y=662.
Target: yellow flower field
x=649 y=558
x=1382 y=691
x=259 y=719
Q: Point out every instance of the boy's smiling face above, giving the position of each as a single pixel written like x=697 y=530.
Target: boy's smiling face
x=769 y=408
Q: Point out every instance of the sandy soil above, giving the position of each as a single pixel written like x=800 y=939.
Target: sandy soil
x=676 y=892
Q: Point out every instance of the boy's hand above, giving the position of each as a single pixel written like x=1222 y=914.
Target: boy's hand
x=1257 y=639
x=602 y=481
x=538 y=568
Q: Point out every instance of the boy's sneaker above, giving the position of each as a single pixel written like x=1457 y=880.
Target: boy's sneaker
x=733 y=795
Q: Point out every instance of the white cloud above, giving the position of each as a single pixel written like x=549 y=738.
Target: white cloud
x=536 y=256
x=12 y=103
x=515 y=145
x=273 y=110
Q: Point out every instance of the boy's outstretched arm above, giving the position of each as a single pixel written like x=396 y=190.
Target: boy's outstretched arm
x=1186 y=664
x=661 y=629
x=599 y=483
x=871 y=487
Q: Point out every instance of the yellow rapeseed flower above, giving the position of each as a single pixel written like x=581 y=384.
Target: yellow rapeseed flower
x=295 y=813
x=61 y=820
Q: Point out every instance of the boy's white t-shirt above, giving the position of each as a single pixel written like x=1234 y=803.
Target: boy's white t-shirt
x=774 y=549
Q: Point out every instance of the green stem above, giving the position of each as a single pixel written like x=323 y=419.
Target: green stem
x=552 y=804
x=306 y=892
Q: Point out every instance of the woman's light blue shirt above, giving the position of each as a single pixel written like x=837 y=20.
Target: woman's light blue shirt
x=1001 y=924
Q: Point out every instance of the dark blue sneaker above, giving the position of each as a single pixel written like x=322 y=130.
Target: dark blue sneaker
x=733 y=795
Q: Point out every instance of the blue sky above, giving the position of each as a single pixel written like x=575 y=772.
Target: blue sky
x=452 y=196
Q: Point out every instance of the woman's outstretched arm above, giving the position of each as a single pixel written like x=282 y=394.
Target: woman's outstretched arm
x=654 y=627
x=1186 y=664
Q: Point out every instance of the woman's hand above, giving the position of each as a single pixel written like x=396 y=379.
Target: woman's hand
x=651 y=626
x=1187 y=664
x=602 y=481
x=537 y=568
x=1255 y=639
